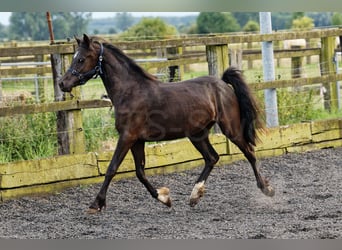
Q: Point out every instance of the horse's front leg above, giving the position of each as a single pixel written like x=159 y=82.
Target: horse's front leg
x=161 y=194
x=123 y=145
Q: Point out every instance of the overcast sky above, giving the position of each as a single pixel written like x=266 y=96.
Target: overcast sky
x=4 y=16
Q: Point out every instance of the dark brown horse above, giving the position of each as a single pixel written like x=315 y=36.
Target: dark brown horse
x=149 y=110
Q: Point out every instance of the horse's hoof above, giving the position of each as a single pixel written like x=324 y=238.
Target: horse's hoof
x=268 y=191
x=93 y=210
x=197 y=193
x=163 y=196
x=193 y=202
x=97 y=206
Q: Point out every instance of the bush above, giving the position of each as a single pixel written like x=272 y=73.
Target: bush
x=295 y=106
x=25 y=137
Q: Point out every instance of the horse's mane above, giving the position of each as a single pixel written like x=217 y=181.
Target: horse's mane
x=126 y=61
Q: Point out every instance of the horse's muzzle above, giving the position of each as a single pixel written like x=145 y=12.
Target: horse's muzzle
x=63 y=87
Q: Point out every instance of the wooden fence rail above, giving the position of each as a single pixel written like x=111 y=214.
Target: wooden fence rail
x=215 y=53
x=54 y=107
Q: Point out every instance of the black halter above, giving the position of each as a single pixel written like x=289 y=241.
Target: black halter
x=93 y=73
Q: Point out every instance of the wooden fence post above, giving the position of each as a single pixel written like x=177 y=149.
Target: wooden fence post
x=0 y=88
x=296 y=64
x=328 y=67
x=42 y=83
x=75 y=126
x=70 y=133
x=162 y=71
x=217 y=58
x=235 y=58
x=61 y=127
x=250 y=61
x=175 y=71
x=74 y=119
x=308 y=45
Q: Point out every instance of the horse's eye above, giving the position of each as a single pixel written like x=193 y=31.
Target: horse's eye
x=81 y=60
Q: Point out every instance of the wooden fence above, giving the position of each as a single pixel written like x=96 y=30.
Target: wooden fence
x=216 y=54
x=53 y=174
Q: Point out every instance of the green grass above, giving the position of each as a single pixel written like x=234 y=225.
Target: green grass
x=98 y=127
x=26 y=137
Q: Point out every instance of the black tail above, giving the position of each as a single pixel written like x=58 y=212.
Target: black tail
x=248 y=107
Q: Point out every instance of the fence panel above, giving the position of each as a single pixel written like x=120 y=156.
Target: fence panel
x=215 y=53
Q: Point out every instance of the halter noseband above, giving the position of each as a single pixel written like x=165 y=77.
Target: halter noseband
x=93 y=73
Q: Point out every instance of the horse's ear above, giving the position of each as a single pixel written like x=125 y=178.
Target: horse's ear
x=86 y=40
x=77 y=40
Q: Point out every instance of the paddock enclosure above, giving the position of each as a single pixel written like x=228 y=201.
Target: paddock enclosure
x=302 y=160
x=307 y=205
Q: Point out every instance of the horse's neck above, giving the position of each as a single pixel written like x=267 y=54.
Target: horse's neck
x=121 y=84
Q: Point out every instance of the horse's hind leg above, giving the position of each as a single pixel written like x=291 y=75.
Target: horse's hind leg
x=161 y=194
x=210 y=157
x=262 y=182
x=248 y=151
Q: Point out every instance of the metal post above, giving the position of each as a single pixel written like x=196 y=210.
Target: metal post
x=36 y=85
x=268 y=70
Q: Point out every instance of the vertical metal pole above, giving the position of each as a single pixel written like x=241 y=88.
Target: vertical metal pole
x=268 y=70
x=36 y=87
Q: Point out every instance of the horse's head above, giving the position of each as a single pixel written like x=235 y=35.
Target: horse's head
x=85 y=64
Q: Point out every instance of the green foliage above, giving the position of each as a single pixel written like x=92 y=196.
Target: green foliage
x=321 y=19
x=244 y=17
x=3 y=32
x=98 y=127
x=297 y=15
x=336 y=19
x=26 y=137
x=216 y=22
x=149 y=29
x=298 y=105
x=251 y=26
x=303 y=23
x=294 y=106
x=123 y=20
x=33 y=25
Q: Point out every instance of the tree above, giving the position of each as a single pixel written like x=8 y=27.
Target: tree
x=297 y=15
x=321 y=18
x=33 y=25
x=78 y=22
x=216 y=22
x=303 y=23
x=336 y=19
x=123 y=21
x=244 y=17
x=3 y=32
x=251 y=26
x=28 y=26
x=149 y=29
x=281 y=20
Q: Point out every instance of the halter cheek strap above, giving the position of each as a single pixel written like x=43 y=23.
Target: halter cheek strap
x=93 y=73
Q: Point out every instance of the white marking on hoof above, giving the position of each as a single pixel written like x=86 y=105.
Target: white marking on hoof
x=163 y=196
x=268 y=191
x=197 y=193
